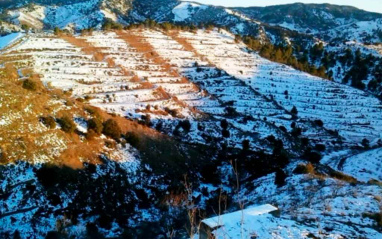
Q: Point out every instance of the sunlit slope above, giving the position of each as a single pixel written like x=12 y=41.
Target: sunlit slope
x=205 y=77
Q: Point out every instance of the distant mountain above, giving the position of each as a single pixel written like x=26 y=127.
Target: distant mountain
x=323 y=20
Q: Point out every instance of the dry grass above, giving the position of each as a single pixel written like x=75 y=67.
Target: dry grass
x=10 y=71
x=27 y=139
x=153 y=112
x=187 y=45
x=179 y=102
x=343 y=177
x=145 y=85
x=183 y=80
x=110 y=62
x=85 y=46
x=98 y=56
x=135 y=79
x=138 y=42
x=161 y=93
x=78 y=151
x=144 y=47
x=182 y=41
x=125 y=124
x=125 y=72
x=175 y=199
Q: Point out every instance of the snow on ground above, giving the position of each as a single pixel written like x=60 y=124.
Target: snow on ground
x=224 y=89
x=358 y=31
x=108 y=14
x=364 y=166
x=32 y=16
x=7 y=28
x=25 y=199
x=353 y=113
x=9 y=39
x=263 y=226
x=242 y=16
x=78 y=16
x=185 y=10
x=261 y=92
x=332 y=208
x=111 y=87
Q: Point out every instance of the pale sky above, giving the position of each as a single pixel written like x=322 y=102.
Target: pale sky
x=369 y=5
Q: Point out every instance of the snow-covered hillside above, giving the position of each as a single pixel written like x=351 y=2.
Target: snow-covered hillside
x=337 y=209
x=214 y=74
x=9 y=39
x=325 y=21
x=203 y=89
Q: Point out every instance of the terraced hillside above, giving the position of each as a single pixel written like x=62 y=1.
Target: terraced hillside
x=352 y=112
x=229 y=114
x=164 y=78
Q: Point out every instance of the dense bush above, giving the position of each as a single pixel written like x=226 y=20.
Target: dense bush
x=49 y=122
x=132 y=139
x=294 y=111
x=146 y=120
x=304 y=169
x=285 y=55
x=51 y=176
x=296 y=132
x=246 y=145
x=226 y=133
x=319 y=123
x=230 y=111
x=112 y=129
x=366 y=143
x=283 y=129
x=96 y=125
x=3 y=156
x=304 y=142
x=312 y=156
x=111 y=25
x=320 y=147
x=186 y=125
x=67 y=124
x=224 y=124
x=91 y=134
x=30 y=85
x=280 y=178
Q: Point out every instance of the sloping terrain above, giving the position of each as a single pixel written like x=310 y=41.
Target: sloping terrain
x=152 y=75
x=338 y=208
x=303 y=27
x=194 y=107
x=326 y=21
x=288 y=88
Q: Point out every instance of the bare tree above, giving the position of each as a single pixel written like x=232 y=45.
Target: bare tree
x=192 y=210
x=240 y=199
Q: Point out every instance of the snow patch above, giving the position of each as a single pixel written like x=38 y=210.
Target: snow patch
x=185 y=10
x=8 y=39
